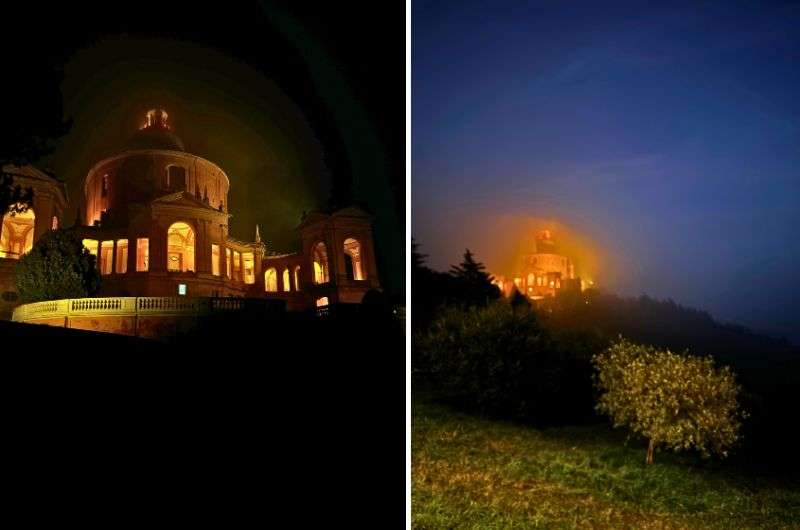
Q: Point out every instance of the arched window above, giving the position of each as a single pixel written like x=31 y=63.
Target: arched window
x=320 y=258
x=248 y=262
x=287 y=283
x=297 y=278
x=54 y=223
x=215 y=259
x=271 y=281
x=176 y=178
x=531 y=280
x=17 y=234
x=353 y=263
x=180 y=247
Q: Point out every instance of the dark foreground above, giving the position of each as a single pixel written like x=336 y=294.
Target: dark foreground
x=295 y=419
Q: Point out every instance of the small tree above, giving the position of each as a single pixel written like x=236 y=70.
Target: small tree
x=675 y=401
x=58 y=266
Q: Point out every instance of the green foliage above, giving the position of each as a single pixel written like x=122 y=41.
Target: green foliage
x=676 y=401
x=58 y=266
x=500 y=361
x=469 y=472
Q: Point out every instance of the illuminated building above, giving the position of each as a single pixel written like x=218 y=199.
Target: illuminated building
x=543 y=273
x=21 y=230
x=157 y=218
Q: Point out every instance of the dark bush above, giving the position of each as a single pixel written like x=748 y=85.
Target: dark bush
x=500 y=361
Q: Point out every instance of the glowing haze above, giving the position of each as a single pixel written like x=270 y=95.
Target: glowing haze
x=659 y=144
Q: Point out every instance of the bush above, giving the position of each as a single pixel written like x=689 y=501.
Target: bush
x=500 y=361
x=58 y=266
x=676 y=401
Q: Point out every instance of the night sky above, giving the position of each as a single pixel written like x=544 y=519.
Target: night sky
x=288 y=101
x=660 y=143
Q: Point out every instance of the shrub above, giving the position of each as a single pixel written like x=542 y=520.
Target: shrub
x=501 y=361
x=58 y=266
x=676 y=401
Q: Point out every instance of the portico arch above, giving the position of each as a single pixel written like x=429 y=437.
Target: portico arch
x=180 y=247
x=17 y=234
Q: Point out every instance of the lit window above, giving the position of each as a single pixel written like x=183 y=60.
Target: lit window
x=17 y=234
x=531 y=280
x=237 y=266
x=106 y=257
x=249 y=267
x=142 y=254
x=215 y=260
x=180 y=247
x=287 y=285
x=182 y=289
x=322 y=302
x=91 y=246
x=122 y=256
x=352 y=259
x=320 y=257
x=297 y=278
x=271 y=281
x=54 y=223
x=228 y=262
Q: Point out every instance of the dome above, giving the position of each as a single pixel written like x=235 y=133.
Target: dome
x=155 y=134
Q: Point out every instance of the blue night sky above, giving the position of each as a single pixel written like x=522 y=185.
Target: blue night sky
x=665 y=139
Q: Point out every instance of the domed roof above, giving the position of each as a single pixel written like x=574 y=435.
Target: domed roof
x=155 y=134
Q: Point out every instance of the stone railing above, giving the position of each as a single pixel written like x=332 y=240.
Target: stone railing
x=125 y=305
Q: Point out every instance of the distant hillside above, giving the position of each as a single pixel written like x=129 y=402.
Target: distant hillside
x=668 y=324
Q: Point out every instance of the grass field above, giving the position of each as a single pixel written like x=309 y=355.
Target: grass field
x=468 y=472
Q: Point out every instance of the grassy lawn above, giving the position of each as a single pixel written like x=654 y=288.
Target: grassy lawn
x=469 y=472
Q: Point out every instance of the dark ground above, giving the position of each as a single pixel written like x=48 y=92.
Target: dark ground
x=238 y=424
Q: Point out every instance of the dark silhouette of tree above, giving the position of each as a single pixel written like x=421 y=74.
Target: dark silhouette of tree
x=58 y=266
x=519 y=300
x=417 y=258
x=475 y=282
x=32 y=122
x=14 y=198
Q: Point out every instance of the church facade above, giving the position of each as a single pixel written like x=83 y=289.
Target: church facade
x=157 y=218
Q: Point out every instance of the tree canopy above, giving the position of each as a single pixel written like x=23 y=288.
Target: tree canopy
x=676 y=401
x=58 y=266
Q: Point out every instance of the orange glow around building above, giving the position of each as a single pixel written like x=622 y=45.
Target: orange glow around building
x=538 y=257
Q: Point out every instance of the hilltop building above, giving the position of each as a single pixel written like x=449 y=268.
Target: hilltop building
x=157 y=218
x=543 y=273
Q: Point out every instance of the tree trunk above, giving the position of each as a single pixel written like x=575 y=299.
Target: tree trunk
x=650 y=450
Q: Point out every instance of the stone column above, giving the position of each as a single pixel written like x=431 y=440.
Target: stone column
x=114 y=256
x=158 y=246
x=202 y=249
x=132 y=250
